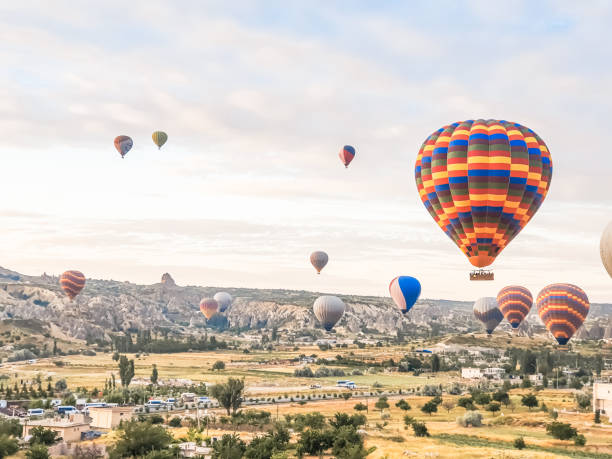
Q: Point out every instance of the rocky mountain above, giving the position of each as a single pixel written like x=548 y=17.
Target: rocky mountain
x=106 y=306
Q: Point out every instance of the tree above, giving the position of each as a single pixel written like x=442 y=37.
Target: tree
x=139 y=438
x=403 y=405
x=346 y=395
x=37 y=451
x=519 y=443
x=583 y=400
x=420 y=429
x=126 y=370
x=10 y=427
x=116 y=356
x=44 y=436
x=493 y=407
x=529 y=363
x=466 y=402
x=229 y=447
x=435 y=363
x=408 y=420
x=175 y=422
x=482 y=398
x=229 y=394
x=154 y=375
x=430 y=407
x=381 y=404
x=8 y=445
x=218 y=365
x=314 y=442
x=561 y=430
x=502 y=397
x=360 y=407
x=579 y=440
x=61 y=385
x=530 y=401
x=448 y=405
x=597 y=418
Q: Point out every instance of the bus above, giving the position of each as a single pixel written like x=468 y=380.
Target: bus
x=65 y=409
x=36 y=412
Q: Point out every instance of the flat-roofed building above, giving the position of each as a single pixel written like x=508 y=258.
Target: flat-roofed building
x=109 y=417
x=602 y=398
x=69 y=428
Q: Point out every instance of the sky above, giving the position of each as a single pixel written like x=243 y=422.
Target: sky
x=257 y=98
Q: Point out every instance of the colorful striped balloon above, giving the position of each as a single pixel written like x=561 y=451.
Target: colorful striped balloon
x=405 y=291
x=482 y=181
x=346 y=155
x=209 y=307
x=159 y=138
x=562 y=308
x=486 y=310
x=514 y=303
x=72 y=282
x=319 y=259
x=123 y=144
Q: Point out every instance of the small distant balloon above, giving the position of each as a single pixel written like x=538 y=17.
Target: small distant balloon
x=563 y=309
x=405 y=291
x=209 y=307
x=123 y=144
x=319 y=259
x=160 y=138
x=328 y=309
x=605 y=248
x=72 y=282
x=514 y=303
x=346 y=155
x=224 y=300
x=487 y=311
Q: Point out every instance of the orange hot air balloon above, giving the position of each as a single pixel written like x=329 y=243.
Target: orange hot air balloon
x=72 y=283
x=562 y=309
x=209 y=307
x=514 y=303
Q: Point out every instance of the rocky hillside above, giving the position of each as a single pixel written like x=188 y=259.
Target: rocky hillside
x=106 y=306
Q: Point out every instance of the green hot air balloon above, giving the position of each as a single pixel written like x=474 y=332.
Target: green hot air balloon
x=160 y=138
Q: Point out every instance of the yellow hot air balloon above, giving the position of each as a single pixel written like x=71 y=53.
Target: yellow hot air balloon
x=160 y=138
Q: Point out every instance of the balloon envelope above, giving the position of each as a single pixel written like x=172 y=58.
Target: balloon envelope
x=605 y=248
x=562 y=308
x=328 y=309
x=346 y=155
x=224 y=300
x=159 y=138
x=405 y=291
x=482 y=181
x=72 y=282
x=123 y=144
x=208 y=307
x=514 y=303
x=319 y=260
x=487 y=311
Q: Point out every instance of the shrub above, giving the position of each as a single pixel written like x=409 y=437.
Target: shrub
x=175 y=422
x=403 y=405
x=561 y=430
x=360 y=407
x=305 y=372
x=482 y=398
x=579 y=440
x=519 y=443
x=8 y=445
x=420 y=429
x=37 y=451
x=431 y=390
x=597 y=418
x=408 y=420
x=470 y=419
x=156 y=419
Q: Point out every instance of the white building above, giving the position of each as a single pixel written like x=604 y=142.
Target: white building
x=537 y=379
x=602 y=398
x=495 y=373
x=471 y=373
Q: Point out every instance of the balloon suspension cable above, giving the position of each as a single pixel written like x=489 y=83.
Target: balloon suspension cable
x=481 y=275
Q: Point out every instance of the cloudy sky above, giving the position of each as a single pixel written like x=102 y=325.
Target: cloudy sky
x=257 y=99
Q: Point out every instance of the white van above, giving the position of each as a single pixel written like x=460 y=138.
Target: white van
x=36 y=412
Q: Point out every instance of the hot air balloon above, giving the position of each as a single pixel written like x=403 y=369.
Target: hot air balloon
x=208 y=307
x=405 y=291
x=224 y=300
x=159 y=138
x=605 y=248
x=486 y=310
x=319 y=260
x=123 y=144
x=328 y=309
x=482 y=181
x=514 y=303
x=346 y=155
x=562 y=308
x=72 y=283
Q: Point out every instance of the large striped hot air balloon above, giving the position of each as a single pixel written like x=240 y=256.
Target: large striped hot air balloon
x=159 y=138
x=605 y=248
x=123 y=144
x=487 y=311
x=405 y=291
x=328 y=309
x=482 y=181
x=72 y=283
x=346 y=155
x=208 y=307
x=514 y=302
x=318 y=259
x=562 y=308
x=224 y=300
